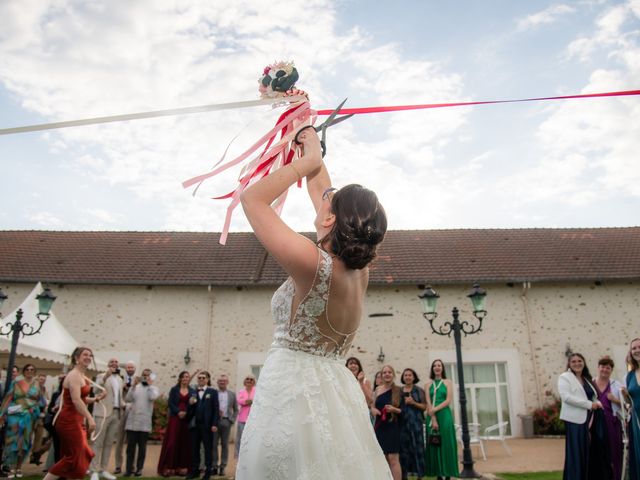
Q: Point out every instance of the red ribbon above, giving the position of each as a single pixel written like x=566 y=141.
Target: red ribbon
x=399 y=108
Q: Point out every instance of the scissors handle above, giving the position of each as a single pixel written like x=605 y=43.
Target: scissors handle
x=322 y=142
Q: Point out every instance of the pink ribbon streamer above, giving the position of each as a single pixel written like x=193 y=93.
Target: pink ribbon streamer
x=273 y=156
x=281 y=154
x=398 y=108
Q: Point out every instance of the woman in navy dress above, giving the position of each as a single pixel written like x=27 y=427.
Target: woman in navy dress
x=579 y=398
x=387 y=410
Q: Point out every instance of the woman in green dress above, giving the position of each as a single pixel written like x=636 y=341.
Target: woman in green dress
x=441 y=460
x=20 y=407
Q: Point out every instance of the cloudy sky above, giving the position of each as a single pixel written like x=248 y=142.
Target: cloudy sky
x=549 y=164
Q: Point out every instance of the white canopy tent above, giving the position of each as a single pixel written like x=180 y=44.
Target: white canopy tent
x=53 y=344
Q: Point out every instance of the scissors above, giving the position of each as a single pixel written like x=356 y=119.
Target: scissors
x=329 y=122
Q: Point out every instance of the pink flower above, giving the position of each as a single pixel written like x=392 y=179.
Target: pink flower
x=266 y=70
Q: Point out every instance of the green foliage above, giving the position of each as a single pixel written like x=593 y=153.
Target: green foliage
x=160 y=418
x=532 y=476
x=546 y=420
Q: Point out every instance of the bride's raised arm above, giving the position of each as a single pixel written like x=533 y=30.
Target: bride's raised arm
x=295 y=253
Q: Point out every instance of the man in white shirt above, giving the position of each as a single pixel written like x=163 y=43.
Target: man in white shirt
x=228 y=414
x=107 y=414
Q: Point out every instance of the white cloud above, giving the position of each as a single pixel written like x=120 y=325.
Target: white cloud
x=589 y=148
x=47 y=220
x=101 y=59
x=548 y=15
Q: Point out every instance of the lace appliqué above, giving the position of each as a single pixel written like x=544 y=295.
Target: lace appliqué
x=303 y=331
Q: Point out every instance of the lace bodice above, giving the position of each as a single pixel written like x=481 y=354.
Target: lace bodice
x=309 y=330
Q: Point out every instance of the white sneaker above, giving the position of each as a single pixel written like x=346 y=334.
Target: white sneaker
x=107 y=476
x=95 y=476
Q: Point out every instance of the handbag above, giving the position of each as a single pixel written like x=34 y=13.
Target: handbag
x=435 y=439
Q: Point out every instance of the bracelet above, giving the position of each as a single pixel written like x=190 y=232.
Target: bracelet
x=296 y=171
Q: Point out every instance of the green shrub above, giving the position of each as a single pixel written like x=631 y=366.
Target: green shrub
x=160 y=418
x=546 y=420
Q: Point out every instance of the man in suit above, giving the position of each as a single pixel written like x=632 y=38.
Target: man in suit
x=203 y=421
x=128 y=381
x=107 y=414
x=228 y=414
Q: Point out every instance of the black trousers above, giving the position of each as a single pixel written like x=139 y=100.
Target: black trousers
x=201 y=435
x=136 y=439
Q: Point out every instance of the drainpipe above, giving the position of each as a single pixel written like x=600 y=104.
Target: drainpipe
x=526 y=286
x=207 y=347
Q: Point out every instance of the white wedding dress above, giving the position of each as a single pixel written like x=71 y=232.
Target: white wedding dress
x=309 y=419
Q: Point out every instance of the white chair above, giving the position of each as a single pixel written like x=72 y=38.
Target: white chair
x=497 y=432
x=474 y=437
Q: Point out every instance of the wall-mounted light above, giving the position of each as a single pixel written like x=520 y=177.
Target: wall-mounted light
x=381 y=355
x=567 y=351
x=187 y=358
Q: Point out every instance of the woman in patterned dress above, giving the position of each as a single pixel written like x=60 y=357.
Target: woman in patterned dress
x=309 y=417
x=412 y=428
x=20 y=408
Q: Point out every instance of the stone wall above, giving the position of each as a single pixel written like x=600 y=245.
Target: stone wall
x=229 y=328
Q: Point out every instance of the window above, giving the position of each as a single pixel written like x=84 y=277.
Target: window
x=487 y=393
x=255 y=370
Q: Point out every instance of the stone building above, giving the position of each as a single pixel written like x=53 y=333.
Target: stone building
x=153 y=296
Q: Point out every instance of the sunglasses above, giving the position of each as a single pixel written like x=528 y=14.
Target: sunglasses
x=327 y=192
x=202 y=378
x=249 y=380
x=29 y=369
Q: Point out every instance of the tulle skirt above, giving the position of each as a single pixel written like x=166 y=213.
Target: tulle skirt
x=309 y=420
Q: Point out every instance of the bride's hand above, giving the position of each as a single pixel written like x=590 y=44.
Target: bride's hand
x=311 y=148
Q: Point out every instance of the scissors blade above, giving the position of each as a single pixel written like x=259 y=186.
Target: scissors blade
x=340 y=119
x=333 y=115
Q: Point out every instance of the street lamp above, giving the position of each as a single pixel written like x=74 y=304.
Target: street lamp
x=478 y=298
x=45 y=301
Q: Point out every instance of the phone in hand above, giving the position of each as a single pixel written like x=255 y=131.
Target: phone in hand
x=407 y=394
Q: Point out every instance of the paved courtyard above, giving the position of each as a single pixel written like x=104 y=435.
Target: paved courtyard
x=528 y=455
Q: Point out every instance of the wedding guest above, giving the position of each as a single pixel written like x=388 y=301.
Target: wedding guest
x=40 y=443
x=175 y=456
x=245 y=400
x=70 y=422
x=377 y=380
x=52 y=409
x=442 y=457
x=228 y=414
x=20 y=409
x=355 y=366
x=387 y=408
x=579 y=399
x=632 y=392
x=204 y=415
x=128 y=380
x=608 y=391
x=142 y=396
x=107 y=415
x=412 y=426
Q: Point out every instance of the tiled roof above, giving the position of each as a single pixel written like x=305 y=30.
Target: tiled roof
x=406 y=257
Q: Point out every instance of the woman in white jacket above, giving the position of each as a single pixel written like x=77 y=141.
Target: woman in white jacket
x=578 y=399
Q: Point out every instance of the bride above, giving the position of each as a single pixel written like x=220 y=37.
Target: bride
x=309 y=418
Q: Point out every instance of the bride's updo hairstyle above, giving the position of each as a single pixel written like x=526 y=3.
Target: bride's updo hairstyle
x=359 y=227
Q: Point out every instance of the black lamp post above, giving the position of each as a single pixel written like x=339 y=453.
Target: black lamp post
x=478 y=298
x=45 y=301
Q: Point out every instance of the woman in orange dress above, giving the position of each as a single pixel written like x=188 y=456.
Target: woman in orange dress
x=70 y=424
